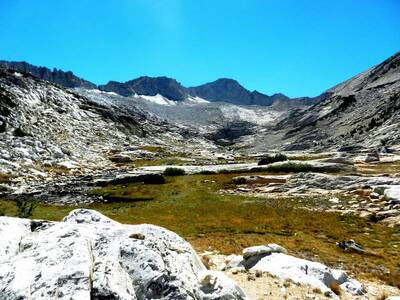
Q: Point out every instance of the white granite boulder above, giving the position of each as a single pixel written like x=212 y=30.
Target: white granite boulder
x=307 y=272
x=89 y=256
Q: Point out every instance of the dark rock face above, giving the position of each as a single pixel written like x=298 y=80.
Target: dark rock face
x=229 y=90
x=66 y=79
x=148 y=86
x=227 y=135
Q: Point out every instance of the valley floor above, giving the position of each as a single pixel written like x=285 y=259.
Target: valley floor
x=227 y=207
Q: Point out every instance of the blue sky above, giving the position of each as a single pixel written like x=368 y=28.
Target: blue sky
x=297 y=47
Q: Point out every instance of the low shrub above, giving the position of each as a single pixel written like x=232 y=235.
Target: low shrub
x=207 y=172
x=174 y=172
x=25 y=207
x=269 y=159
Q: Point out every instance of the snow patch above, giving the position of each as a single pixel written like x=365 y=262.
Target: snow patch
x=158 y=99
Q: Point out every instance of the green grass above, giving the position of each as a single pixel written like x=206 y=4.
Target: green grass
x=311 y=156
x=159 y=162
x=192 y=207
x=379 y=168
x=153 y=148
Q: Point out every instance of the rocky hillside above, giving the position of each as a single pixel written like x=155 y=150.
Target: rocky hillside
x=66 y=79
x=42 y=124
x=363 y=109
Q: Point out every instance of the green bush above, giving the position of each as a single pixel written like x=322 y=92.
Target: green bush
x=174 y=172
x=2 y=212
x=269 y=159
x=25 y=207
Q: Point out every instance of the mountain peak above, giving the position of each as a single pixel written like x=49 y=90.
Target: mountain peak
x=230 y=90
x=149 y=86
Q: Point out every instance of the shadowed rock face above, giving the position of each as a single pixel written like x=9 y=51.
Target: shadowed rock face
x=89 y=256
x=66 y=79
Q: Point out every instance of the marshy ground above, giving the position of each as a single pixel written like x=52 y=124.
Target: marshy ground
x=194 y=207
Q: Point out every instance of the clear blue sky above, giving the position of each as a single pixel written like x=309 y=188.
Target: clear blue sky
x=298 y=47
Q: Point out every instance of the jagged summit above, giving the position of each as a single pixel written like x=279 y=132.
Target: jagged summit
x=66 y=79
x=231 y=91
x=148 y=86
x=221 y=90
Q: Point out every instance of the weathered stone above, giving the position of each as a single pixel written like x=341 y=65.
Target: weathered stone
x=89 y=256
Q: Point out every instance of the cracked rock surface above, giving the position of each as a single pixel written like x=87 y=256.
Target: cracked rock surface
x=89 y=256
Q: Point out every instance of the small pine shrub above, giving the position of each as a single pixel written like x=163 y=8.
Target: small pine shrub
x=269 y=159
x=174 y=172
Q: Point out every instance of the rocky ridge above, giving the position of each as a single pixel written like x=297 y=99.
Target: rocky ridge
x=66 y=79
x=42 y=124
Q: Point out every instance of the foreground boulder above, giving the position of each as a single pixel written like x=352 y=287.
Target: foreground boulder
x=89 y=256
x=273 y=259
x=307 y=272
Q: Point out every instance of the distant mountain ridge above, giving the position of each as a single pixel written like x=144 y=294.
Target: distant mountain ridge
x=223 y=89
x=229 y=90
x=66 y=79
